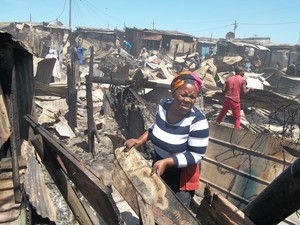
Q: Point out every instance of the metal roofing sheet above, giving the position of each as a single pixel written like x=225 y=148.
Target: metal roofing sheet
x=36 y=188
x=259 y=47
x=289 y=86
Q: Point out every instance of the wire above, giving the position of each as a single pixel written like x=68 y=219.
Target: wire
x=62 y=10
x=270 y=24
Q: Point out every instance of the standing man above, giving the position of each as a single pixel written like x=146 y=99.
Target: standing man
x=144 y=55
x=79 y=51
x=232 y=88
x=257 y=64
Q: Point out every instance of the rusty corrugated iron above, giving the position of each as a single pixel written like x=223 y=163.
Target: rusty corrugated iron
x=35 y=187
x=9 y=208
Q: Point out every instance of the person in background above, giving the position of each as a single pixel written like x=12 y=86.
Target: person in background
x=144 y=56
x=127 y=45
x=257 y=63
x=247 y=65
x=180 y=136
x=278 y=65
x=118 y=45
x=232 y=88
x=292 y=69
x=79 y=51
x=196 y=60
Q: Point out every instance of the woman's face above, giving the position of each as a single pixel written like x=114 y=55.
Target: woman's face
x=185 y=98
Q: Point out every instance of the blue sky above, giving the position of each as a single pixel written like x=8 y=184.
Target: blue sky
x=279 y=20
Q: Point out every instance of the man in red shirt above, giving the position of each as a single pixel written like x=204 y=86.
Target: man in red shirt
x=232 y=88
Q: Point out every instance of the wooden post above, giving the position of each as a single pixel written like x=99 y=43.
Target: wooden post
x=89 y=99
x=15 y=137
x=72 y=92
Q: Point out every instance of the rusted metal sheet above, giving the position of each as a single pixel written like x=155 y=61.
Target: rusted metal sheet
x=289 y=86
x=35 y=188
x=45 y=70
x=240 y=163
x=132 y=179
x=9 y=208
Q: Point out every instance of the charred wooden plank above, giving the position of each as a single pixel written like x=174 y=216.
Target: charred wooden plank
x=145 y=212
x=132 y=179
x=229 y=213
x=91 y=186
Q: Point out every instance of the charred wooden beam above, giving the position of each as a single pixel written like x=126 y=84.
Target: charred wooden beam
x=72 y=92
x=89 y=99
x=114 y=81
x=15 y=137
x=141 y=83
x=90 y=185
x=279 y=200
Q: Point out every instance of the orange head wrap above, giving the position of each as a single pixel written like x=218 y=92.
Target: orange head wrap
x=186 y=77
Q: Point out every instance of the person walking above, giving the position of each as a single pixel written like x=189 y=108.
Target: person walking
x=180 y=136
x=232 y=88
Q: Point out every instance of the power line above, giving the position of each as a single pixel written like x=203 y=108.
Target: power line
x=270 y=24
x=60 y=13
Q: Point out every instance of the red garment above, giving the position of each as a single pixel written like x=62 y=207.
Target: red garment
x=236 y=112
x=189 y=178
x=234 y=86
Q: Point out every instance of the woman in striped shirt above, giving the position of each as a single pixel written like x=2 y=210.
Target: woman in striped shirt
x=180 y=136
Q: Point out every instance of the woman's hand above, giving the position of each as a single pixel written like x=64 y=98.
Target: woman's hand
x=160 y=166
x=132 y=143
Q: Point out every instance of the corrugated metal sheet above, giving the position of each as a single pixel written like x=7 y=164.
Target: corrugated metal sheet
x=259 y=47
x=152 y=37
x=289 y=86
x=45 y=70
x=9 y=209
x=240 y=164
x=36 y=188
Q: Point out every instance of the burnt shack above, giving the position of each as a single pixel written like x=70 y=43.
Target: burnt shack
x=155 y=40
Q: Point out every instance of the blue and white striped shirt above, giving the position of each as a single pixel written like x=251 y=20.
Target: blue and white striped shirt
x=185 y=141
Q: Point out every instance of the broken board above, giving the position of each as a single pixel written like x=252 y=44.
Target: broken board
x=131 y=177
